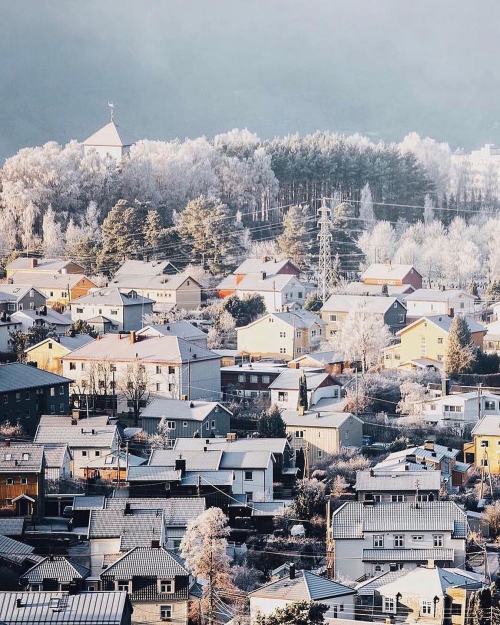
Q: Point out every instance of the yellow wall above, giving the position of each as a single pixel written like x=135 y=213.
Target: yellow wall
x=47 y=358
x=491 y=453
x=321 y=441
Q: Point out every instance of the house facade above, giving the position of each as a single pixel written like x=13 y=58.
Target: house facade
x=459 y=409
x=22 y=479
x=285 y=389
x=430 y=302
x=283 y=336
x=17 y=297
x=484 y=451
x=249 y=380
x=392 y=274
x=48 y=354
x=59 y=288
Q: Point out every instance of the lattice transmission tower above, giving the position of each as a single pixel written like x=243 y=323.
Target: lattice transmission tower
x=326 y=274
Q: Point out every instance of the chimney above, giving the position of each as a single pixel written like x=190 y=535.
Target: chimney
x=292 y=571
x=33 y=262
x=452 y=312
x=300 y=410
x=429 y=445
x=445 y=386
x=264 y=275
x=191 y=404
x=231 y=437
x=155 y=544
x=180 y=465
x=204 y=449
x=7 y=442
x=372 y=473
x=430 y=564
x=132 y=337
x=127 y=508
x=19 y=603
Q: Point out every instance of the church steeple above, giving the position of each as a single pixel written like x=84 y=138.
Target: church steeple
x=108 y=141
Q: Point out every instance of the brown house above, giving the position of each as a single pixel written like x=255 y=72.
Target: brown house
x=22 y=468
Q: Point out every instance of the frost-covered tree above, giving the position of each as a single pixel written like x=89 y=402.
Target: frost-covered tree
x=298 y=613
x=153 y=231
x=378 y=244
x=210 y=230
x=271 y=424
x=412 y=396
x=366 y=214
x=461 y=352
x=291 y=243
x=121 y=235
x=310 y=498
x=362 y=337
x=53 y=240
x=428 y=209
x=134 y=385
x=29 y=239
x=204 y=550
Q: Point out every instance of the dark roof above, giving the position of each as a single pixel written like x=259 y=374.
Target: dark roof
x=146 y=561
x=16 y=376
x=13 y=526
x=22 y=458
x=55 y=567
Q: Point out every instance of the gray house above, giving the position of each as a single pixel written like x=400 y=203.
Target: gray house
x=186 y=419
x=14 y=297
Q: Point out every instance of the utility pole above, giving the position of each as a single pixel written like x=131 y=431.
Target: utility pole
x=330 y=544
x=325 y=265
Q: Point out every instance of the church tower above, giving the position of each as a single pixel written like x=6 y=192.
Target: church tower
x=108 y=141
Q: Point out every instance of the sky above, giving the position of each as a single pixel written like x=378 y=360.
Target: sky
x=185 y=68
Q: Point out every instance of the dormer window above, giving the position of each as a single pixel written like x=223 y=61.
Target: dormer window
x=8 y=457
x=166 y=586
x=26 y=456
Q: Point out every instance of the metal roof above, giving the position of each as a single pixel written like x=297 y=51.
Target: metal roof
x=368 y=586
x=21 y=458
x=306 y=586
x=12 y=526
x=152 y=473
x=86 y=608
x=134 y=530
x=408 y=555
x=55 y=456
x=15 y=376
x=354 y=518
x=487 y=426
x=177 y=511
x=268 y=265
x=398 y=481
x=102 y=436
x=194 y=410
x=15 y=551
x=146 y=561
x=430 y=581
x=55 y=567
x=195 y=460
x=245 y=459
x=89 y=502
x=370 y=304
x=316 y=419
x=112 y=296
x=275 y=445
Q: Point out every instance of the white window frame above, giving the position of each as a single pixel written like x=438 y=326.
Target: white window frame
x=426 y=608
x=166 y=612
x=378 y=541
x=163 y=584
x=389 y=605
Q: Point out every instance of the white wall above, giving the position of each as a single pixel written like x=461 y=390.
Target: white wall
x=469 y=412
x=261 y=485
x=332 y=391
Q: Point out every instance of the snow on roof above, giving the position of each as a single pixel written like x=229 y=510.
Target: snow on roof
x=437 y=295
x=112 y=296
x=275 y=283
x=430 y=582
x=360 y=288
x=322 y=358
x=363 y=303
x=312 y=418
x=487 y=426
x=42 y=264
x=194 y=410
x=298 y=319
x=288 y=379
x=444 y=323
x=145 y=268
x=398 y=481
x=387 y=271
x=107 y=136
x=306 y=586
x=50 y=316
x=275 y=445
x=270 y=266
x=183 y=329
x=45 y=280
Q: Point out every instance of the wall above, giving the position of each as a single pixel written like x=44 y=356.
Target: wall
x=149 y=612
x=48 y=359
x=493 y=452
x=261 y=485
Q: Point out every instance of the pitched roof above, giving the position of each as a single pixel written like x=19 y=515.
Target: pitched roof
x=289 y=379
x=444 y=323
x=487 y=426
x=112 y=296
x=156 y=349
x=55 y=567
x=394 y=481
x=196 y=460
x=54 y=456
x=360 y=288
x=12 y=526
x=22 y=458
x=15 y=551
x=15 y=376
x=270 y=266
x=146 y=268
x=146 y=561
x=50 y=316
x=14 y=292
x=182 y=328
x=54 y=265
x=416 y=554
x=77 y=435
x=323 y=358
x=298 y=319
x=177 y=511
x=430 y=582
x=370 y=304
x=387 y=271
x=437 y=295
x=194 y=410
x=368 y=586
x=107 y=136
x=438 y=452
x=89 y=502
x=69 y=342
x=245 y=459
x=63 y=420
x=146 y=473
x=274 y=445
x=354 y=518
x=85 y=608
x=315 y=419
x=134 y=530
x=47 y=281
x=306 y=586
x=163 y=282
x=274 y=283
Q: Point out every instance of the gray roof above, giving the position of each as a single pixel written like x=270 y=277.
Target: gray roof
x=323 y=358
x=437 y=453
x=315 y=419
x=168 y=349
x=168 y=282
x=273 y=284
x=177 y=511
x=289 y=379
x=395 y=290
x=398 y=481
x=211 y=478
x=196 y=460
x=245 y=459
x=89 y=502
x=112 y=296
x=194 y=410
x=54 y=456
x=46 y=281
x=86 y=608
x=275 y=445
x=77 y=435
x=437 y=295
x=16 y=376
x=12 y=526
x=154 y=473
x=22 y=458
x=146 y=561
x=184 y=329
x=370 y=304
x=444 y=323
x=15 y=292
x=257 y=265
x=306 y=586
x=55 y=567
x=408 y=555
x=298 y=319
x=42 y=264
x=51 y=316
x=387 y=271
x=431 y=581
x=368 y=586
x=145 y=268
x=488 y=426
x=63 y=420
x=15 y=551
x=135 y=530
x=354 y=518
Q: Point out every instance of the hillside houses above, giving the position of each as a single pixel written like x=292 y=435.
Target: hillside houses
x=285 y=389
x=49 y=266
x=59 y=288
x=430 y=302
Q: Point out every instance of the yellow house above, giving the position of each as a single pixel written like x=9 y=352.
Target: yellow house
x=48 y=353
x=24 y=264
x=484 y=450
x=424 y=342
x=281 y=335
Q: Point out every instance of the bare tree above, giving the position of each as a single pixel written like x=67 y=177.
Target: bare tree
x=135 y=386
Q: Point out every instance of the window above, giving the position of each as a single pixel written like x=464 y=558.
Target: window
x=395 y=305
x=397 y=497
x=456 y=609
x=26 y=456
x=254 y=379
x=423 y=498
x=333 y=317
x=248 y=476
x=440 y=340
x=266 y=379
x=282 y=396
x=114 y=312
x=426 y=608
x=108 y=460
x=35 y=587
x=438 y=540
x=166 y=612
x=158 y=369
x=489 y=405
x=213 y=424
x=320 y=453
x=72 y=366
x=417 y=538
x=171 y=425
x=9 y=481
x=8 y=457
x=171 y=370
x=11 y=306
x=166 y=586
x=158 y=386
x=298 y=334
x=97 y=453
x=18 y=396
x=241 y=378
x=79 y=310
x=24 y=480
x=378 y=568
x=249 y=496
x=184 y=424
x=122 y=585
x=399 y=540
x=84 y=453
x=378 y=541
x=170 y=387
x=299 y=434
x=50 y=345
x=389 y=605
x=52 y=391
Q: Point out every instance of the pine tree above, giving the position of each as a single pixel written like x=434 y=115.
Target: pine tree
x=291 y=242
x=460 y=350
x=152 y=231
x=271 y=424
x=302 y=401
x=298 y=613
x=366 y=213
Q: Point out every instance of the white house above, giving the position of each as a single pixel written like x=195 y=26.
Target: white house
x=110 y=310
x=303 y=586
x=429 y=302
x=107 y=142
x=320 y=385
x=43 y=317
x=374 y=537
x=459 y=409
x=183 y=329
x=7 y=326
x=173 y=367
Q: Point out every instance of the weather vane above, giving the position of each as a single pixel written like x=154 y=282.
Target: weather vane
x=111 y=110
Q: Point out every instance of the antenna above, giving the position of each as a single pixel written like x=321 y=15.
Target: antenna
x=111 y=111
x=325 y=265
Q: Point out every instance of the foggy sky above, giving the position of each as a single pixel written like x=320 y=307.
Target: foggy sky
x=193 y=67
